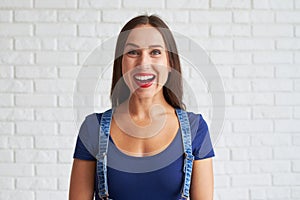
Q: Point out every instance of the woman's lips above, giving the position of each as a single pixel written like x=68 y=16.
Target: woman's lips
x=144 y=80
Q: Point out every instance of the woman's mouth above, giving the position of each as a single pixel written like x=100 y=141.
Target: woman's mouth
x=144 y=80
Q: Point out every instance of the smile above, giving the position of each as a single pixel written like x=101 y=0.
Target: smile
x=144 y=80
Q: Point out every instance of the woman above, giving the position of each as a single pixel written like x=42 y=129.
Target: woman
x=145 y=127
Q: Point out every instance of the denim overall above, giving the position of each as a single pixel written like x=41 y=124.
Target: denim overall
x=103 y=146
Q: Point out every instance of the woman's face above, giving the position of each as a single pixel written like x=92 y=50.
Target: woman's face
x=145 y=61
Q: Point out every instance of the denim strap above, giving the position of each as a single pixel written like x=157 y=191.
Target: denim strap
x=102 y=154
x=188 y=155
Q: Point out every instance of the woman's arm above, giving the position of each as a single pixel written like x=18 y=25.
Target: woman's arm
x=202 y=183
x=82 y=180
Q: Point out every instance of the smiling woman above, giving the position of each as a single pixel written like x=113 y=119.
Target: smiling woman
x=149 y=146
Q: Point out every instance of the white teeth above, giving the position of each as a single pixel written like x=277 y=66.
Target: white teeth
x=143 y=78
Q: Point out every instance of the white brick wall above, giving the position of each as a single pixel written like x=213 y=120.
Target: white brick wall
x=254 y=43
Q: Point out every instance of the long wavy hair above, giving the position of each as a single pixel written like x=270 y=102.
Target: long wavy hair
x=120 y=91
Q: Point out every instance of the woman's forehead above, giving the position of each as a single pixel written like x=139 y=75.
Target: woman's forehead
x=145 y=36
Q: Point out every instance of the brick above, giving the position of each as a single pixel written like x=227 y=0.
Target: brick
x=94 y=4
x=143 y=4
x=68 y=128
x=6 y=43
x=35 y=15
x=35 y=100
x=53 y=170
x=35 y=156
x=271 y=140
x=237 y=167
x=16 y=170
x=221 y=181
x=6 y=72
x=192 y=30
x=238 y=112
x=55 y=4
x=258 y=193
x=78 y=44
x=253 y=99
x=251 y=180
x=268 y=85
x=36 y=72
x=6 y=100
x=180 y=16
x=236 y=85
x=254 y=16
x=27 y=43
x=54 y=114
x=187 y=4
x=254 y=44
x=232 y=193
x=16 y=85
x=117 y=15
x=287 y=71
x=262 y=153
x=48 y=195
x=239 y=153
x=287 y=125
x=270 y=166
x=63 y=183
x=234 y=140
x=61 y=29
x=211 y=16
x=78 y=16
x=230 y=4
x=288 y=99
x=16 y=58
x=20 y=142
x=6 y=128
x=55 y=86
x=297 y=57
x=16 y=4
x=278 y=193
x=230 y=58
x=12 y=114
x=273 y=4
x=286 y=153
x=272 y=112
x=288 y=44
x=55 y=142
x=7 y=183
x=286 y=179
x=288 y=17
x=56 y=58
x=222 y=153
x=35 y=128
x=107 y=29
x=295 y=192
x=40 y=183
x=230 y=30
x=296 y=140
x=87 y=30
x=15 y=29
x=254 y=71
x=212 y=44
x=297 y=112
x=272 y=30
x=254 y=126
x=296 y=166
x=273 y=57
x=6 y=156
x=65 y=156
x=13 y=194
x=6 y=16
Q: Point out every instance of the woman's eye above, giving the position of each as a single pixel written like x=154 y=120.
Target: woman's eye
x=156 y=52
x=132 y=52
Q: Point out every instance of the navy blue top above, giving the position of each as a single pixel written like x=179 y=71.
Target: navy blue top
x=152 y=177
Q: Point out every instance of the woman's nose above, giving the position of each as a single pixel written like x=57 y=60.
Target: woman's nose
x=144 y=59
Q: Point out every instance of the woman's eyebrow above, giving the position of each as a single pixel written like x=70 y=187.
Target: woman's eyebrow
x=150 y=46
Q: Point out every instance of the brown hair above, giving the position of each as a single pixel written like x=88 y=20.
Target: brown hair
x=119 y=90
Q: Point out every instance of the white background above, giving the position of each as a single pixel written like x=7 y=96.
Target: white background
x=254 y=43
